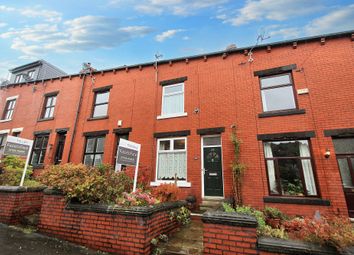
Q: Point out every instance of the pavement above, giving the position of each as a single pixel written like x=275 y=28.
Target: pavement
x=19 y=241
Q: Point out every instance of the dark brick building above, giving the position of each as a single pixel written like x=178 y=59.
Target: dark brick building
x=292 y=104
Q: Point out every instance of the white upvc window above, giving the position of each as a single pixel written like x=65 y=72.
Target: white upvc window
x=171 y=159
x=172 y=101
x=9 y=109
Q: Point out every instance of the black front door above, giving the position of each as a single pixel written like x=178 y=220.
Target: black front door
x=213 y=184
x=60 y=148
x=345 y=156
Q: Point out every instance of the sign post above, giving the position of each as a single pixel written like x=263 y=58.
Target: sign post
x=129 y=154
x=19 y=147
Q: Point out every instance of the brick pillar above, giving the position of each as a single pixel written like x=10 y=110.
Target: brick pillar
x=226 y=233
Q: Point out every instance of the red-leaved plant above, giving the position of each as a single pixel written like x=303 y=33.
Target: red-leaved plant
x=329 y=230
x=137 y=198
x=166 y=192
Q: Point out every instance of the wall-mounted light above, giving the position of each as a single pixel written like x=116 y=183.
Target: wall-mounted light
x=120 y=123
x=327 y=153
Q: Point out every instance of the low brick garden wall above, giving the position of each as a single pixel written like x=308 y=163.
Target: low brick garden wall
x=232 y=233
x=17 y=202
x=107 y=228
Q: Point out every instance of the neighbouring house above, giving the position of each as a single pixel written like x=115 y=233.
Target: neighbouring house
x=38 y=70
x=292 y=103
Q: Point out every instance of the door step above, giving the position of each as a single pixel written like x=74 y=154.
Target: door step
x=211 y=204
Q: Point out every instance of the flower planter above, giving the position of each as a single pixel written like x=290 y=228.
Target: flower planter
x=107 y=228
x=17 y=202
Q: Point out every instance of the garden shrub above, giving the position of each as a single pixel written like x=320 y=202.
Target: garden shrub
x=87 y=184
x=331 y=230
x=143 y=181
x=137 y=198
x=12 y=172
x=166 y=192
x=182 y=215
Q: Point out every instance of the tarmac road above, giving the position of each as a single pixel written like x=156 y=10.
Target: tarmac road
x=13 y=241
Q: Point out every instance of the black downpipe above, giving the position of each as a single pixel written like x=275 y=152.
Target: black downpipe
x=76 y=117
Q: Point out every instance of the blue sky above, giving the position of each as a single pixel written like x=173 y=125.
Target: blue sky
x=122 y=32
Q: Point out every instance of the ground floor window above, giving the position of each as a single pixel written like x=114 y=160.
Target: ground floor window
x=172 y=159
x=94 y=148
x=119 y=167
x=2 y=143
x=289 y=168
x=39 y=149
x=344 y=148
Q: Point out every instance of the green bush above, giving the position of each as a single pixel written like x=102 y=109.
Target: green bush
x=87 y=184
x=12 y=172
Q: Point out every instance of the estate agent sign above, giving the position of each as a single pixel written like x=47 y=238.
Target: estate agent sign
x=129 y=154
x=16 y=146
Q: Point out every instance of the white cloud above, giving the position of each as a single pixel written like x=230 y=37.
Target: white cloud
x=3 y=24
x=285 y=32
x=175 y=7
x=83 y=33
x=257 y=10
x=34 y=12
x=339 y=20
x=38 y=12
x=167 y=34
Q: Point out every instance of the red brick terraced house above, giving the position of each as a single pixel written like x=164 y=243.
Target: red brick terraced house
x=292 y=103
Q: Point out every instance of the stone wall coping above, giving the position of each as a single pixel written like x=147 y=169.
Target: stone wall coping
x=50 y=191
x=295 y=247
x=142 y=211
x=20 y=189
x=229 y=218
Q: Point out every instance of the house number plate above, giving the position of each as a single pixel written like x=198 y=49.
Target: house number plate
x=213 y=174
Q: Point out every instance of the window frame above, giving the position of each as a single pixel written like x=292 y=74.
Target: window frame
x=180 y=114
x=5 y=111
x=41 y=149
x=18 y=78
x=31 y=74
x=3 y=137
x=299 y=159
x=94 y=153
x=183 y=183
x=45 y=107
x=96 y=92
x=346 y=156
x=289 y=73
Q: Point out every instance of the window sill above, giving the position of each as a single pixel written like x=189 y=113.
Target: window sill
x=281 y=113
x=161 y=117
x=181 y=184
x=5 y=120
x=47 y=119
x=297 y=200
x=98 y=118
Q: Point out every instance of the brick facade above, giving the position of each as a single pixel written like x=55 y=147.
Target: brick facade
x=17 y=202
x=120 y=232
x=220 y=91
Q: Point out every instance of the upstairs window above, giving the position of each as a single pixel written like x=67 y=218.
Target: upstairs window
x=277 y=92
x=18 y=78
x=172 y=159
x=100 y=106
x=31 y=74
x=289 y=168
x=48 y=107
x=94 y=149
x=173 y=100
x=39 y=149
x=9 y=109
